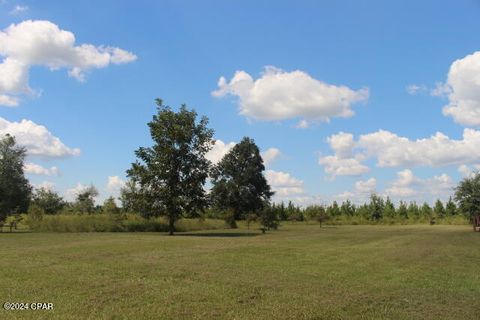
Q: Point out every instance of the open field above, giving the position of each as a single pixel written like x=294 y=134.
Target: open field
x=297 y=272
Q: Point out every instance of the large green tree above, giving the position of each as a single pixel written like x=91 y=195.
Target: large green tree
x=15 y=190
x=467 y=194
x=439 y=209
x=239 y=185
x=171 y=174
x=48 y=200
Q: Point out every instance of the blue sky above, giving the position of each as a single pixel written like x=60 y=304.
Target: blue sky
x=343 y=70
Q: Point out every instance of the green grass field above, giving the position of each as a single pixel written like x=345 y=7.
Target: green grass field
x=297 y=272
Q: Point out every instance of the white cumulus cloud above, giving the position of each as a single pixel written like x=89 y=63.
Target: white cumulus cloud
x=36 y=169
x=37 y=139
x=344 y=162
x=284 y=184
x=391 y=150
x=270 y=155
x=279 y=95
x=408 y=186
x=43 y=43
x=463 y=88
x=219 y=150
x=114 y=184
x=361 y=192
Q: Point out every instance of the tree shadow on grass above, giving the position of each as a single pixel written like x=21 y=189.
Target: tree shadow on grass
x=218 y=234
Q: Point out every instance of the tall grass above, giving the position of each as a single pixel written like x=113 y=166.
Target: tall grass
x=115 y=223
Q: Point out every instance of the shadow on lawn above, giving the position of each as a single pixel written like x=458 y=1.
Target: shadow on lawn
x=218 y=234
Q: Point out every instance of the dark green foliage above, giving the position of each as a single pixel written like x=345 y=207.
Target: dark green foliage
x=439 y=209
x=426 y=211
x=467 y=194
x=322 y=215
x=294 y=213
x=282 y=212
x=347 y=208
x=171 y=174
x=333 y=210
x=376 y=207
x=450 y=208
x=135 y=199
x=389 y=209
x=402 y=210
x=110 y=207
x=85 y=202
x=239 y=183
x=49 y=201
x=268 y=218
x=15 y=190
x=363 y=211
x=413 y=210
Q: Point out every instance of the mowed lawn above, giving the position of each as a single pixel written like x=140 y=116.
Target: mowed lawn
x=298 y=272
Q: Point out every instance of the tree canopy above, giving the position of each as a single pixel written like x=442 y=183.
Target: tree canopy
x=15 y=190
x=239 y=183
x=49 y=201
x=85 y=200
x=467 y=194
x=171 y=173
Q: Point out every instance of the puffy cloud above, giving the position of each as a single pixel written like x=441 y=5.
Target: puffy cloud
x=342 y=144
x=366 y=187
x=279 y=95
x=402 y=187
x=336 y=166
x=343 y=162
x=114 y=184
x=43 y=43
x=284 y=184
x=219 y=150
x=8 y=101
x=36 y=169
x=392 y=150
x=407 y=185
x=463 y=86
x=270 y=155
x=361 y=192
x=468 y=171
x=464 y=170
x=37 y=139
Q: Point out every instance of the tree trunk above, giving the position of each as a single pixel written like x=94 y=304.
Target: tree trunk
x=233 y=224
x=171 y=225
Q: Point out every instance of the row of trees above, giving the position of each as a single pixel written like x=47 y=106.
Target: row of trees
x=169 y=179
x=376 y=209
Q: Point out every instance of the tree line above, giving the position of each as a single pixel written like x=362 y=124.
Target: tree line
x=169 y=178
x=376 y=209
